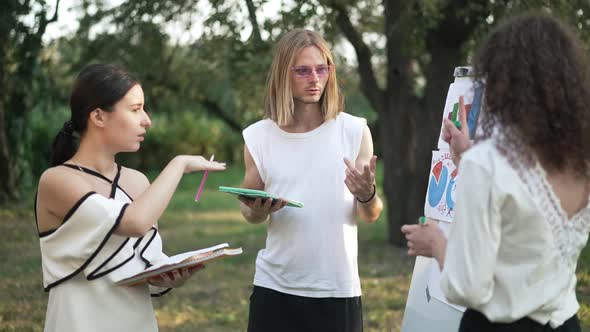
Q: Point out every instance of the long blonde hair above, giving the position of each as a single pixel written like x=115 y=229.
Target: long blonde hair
x=278 y=102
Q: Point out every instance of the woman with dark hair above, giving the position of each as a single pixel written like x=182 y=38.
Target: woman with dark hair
x=522 y=213
x=96 y=219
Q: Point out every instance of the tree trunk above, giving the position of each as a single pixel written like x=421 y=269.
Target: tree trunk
x=398 y=125
x=401 y=183
x=7 y=171
x=7 y=174
x=409 y=127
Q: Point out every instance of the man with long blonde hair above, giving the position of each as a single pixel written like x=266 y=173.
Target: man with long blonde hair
x=309 y=150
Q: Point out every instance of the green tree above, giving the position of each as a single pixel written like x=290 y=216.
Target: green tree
x=20 y=46
x=424 y=41
x=405 y=54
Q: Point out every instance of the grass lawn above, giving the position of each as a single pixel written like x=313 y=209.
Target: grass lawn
x=216 y=299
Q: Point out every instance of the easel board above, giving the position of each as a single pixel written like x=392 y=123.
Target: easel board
x=426 y=308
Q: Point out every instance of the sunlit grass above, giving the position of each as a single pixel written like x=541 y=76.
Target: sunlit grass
x=217 y=298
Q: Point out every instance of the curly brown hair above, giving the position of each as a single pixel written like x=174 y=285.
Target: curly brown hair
x=537 y=92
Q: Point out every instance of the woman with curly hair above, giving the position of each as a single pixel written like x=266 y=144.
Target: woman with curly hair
x=522 y=214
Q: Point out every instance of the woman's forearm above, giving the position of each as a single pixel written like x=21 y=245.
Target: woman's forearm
x=145 y=211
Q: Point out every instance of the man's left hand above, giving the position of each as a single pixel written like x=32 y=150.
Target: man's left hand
x=361 y=183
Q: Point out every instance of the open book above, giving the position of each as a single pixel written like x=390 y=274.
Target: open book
x=256 y=194
x=187 y=259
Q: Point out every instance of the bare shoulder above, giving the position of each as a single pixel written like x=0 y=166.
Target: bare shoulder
x=133 y=181
x=59 y=189
x=61 y=181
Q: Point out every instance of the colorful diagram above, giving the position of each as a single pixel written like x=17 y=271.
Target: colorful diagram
x=472 y=96
x=440 y=197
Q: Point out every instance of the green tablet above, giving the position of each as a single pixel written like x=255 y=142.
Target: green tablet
x=255 y=194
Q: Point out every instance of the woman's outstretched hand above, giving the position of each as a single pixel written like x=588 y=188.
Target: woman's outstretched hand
x=198 y=163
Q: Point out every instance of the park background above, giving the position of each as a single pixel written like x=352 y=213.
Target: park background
x=203 y=66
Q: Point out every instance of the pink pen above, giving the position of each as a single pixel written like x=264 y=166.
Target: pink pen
x=202 y=185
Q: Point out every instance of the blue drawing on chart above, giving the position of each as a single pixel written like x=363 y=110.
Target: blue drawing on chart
x=449 y=197
x=475 y=109
x=437 y=185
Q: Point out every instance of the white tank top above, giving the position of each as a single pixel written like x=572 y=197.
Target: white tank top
x=310 y=251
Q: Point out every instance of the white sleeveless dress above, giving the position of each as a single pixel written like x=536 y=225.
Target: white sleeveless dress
x=82 y=259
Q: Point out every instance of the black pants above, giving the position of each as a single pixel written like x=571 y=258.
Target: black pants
x=474 y=321
x=272 y=311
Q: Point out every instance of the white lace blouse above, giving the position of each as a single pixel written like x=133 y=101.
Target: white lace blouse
x=512 y=251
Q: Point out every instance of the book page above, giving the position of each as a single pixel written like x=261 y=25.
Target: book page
x=195 y=258
x=184 y=256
